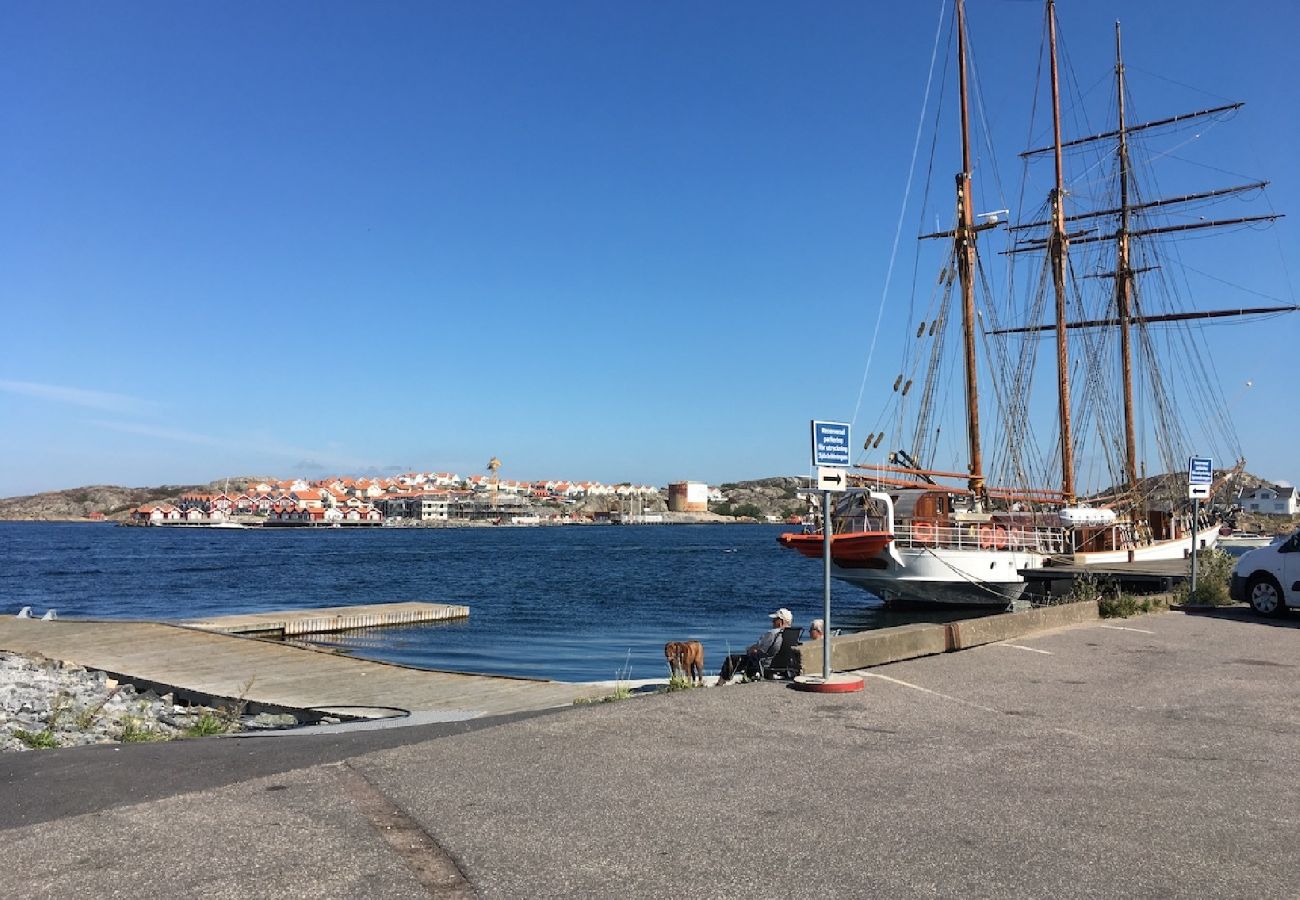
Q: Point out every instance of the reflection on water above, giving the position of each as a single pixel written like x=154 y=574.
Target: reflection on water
x=573 y=603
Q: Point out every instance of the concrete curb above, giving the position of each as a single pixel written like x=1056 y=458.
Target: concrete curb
x=886 y=645
x=990 y=629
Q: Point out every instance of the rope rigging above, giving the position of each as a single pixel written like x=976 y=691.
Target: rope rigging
x=1178 y=405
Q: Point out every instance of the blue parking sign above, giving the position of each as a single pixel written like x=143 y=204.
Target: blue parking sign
x=830 y=443
x=1200 y=470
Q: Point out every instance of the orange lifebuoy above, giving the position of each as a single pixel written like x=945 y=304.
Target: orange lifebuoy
x=986 y=537
x=999 y=537
x=923 y=532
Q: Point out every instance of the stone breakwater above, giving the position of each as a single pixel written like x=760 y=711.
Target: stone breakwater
x=47 y=704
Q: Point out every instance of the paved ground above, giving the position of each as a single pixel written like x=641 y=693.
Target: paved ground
x=1157 y=756
x=274 y=674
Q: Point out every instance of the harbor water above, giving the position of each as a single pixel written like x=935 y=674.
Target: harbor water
x=574 y=603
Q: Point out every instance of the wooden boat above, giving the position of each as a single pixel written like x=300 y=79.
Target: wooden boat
x=913 y=532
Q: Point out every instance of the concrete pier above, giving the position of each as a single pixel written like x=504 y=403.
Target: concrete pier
x=291 y=623
x=212 y=667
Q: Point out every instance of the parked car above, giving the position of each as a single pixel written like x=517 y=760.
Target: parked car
x=1269 y=578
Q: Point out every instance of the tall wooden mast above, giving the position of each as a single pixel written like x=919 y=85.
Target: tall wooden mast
x=1057 y=244
x=1124 y=281
x=1126 y=313
x=964 y=238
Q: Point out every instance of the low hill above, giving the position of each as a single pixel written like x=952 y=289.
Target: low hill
x=756 y=499
x=111 y=501
x=762 y=497
x=1170 y=489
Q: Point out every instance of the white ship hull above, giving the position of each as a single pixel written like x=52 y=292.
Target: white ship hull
x=956 y=566
x=946 y=576
x=978 y=577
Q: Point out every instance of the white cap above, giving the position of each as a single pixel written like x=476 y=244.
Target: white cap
x=783 y=614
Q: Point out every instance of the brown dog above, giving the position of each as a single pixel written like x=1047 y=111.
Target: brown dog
x=686 y=658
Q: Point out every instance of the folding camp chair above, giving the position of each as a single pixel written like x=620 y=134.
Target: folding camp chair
x=786 y=662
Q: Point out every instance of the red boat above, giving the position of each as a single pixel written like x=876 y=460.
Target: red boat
x=846 y=549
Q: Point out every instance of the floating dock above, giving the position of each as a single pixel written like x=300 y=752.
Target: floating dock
x=213 y=667
x=1150 y=577
x=291 y=623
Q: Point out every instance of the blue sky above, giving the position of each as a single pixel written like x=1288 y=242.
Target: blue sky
x=623 y=241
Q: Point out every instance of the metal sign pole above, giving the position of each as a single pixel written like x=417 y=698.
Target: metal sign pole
x=827 y=532
x=830 y=452
x=1196 y=521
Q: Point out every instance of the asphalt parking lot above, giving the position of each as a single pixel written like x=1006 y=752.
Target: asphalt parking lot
x=1155 y=756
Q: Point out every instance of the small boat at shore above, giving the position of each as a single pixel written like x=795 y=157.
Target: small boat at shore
x=1246 y=540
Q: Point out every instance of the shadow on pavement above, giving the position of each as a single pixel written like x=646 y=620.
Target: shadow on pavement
x=1243 y=614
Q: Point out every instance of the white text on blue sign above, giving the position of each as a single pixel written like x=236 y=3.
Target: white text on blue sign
x=831 y=444
x=1200 y=470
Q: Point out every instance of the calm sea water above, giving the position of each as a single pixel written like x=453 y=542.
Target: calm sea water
x=570 y=603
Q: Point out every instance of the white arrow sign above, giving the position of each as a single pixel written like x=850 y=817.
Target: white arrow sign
x=830 y=478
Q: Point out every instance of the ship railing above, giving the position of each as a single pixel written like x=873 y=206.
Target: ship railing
x=981 y=536
x=857 y=524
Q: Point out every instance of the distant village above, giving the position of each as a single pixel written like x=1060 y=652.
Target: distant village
x=420 y=498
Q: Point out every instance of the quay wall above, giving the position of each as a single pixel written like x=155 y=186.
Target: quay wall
x=886 y=645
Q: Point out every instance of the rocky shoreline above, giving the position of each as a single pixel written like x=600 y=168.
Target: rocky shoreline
x=45 y=704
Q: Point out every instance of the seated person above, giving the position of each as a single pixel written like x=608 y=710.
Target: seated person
x=768 y=644
x=817 y=630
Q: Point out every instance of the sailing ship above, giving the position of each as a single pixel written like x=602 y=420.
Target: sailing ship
x=914 y=533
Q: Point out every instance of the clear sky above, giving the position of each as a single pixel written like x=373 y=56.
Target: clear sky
x=636 y=241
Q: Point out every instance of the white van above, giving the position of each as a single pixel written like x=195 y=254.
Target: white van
x=1269 y=578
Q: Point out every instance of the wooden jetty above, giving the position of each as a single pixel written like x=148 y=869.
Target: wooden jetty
x=1150 y=577
x=291 y=623
x=208 y=666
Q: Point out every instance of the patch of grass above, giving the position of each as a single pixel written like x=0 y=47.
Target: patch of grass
x=230 y=713
x=1119 y=605
x=1112 y=603
x=37 y=740
x=86 y=717
x=608 y=698
x=207 y=725
x=677 y=682
x=622 y=679
x=135 y=731
x=622 y=686
x=58 y=706
x=45 y=739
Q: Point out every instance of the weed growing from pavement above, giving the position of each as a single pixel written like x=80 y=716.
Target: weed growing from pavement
x=622 y=686
x=677 y=682
x=622 y=679
x=1112 y=603
x=1120 y=605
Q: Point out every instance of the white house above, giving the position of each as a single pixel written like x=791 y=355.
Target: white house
x=1272 y=500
